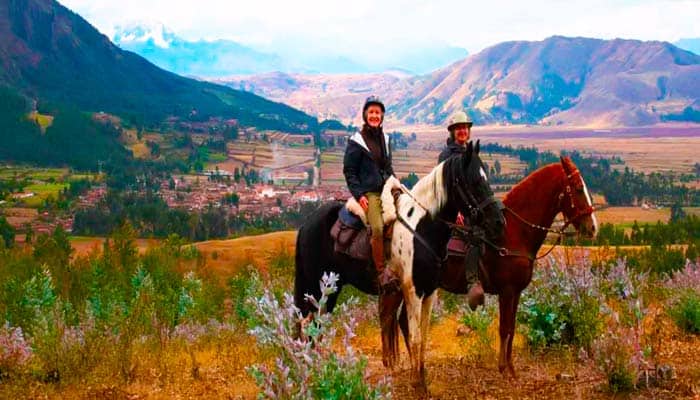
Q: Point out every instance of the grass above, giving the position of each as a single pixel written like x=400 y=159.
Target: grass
x=216 y=156
x=43 y=120
x=45 y=190
x=42 y=174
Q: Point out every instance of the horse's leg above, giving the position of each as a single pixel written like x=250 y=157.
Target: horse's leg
x=426 y=311
x=506 y=328
x=403 y=324
x=413 y=310
x=389 y=304
x=509 y=355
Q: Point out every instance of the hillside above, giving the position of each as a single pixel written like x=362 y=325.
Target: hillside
x=51 y=54
x=560 y=80
x=329 y=96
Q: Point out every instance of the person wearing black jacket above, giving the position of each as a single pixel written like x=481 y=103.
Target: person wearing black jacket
x=459 y=127
x=367 y=166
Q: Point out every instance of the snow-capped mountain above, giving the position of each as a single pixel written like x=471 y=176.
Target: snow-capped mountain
x=220 y=58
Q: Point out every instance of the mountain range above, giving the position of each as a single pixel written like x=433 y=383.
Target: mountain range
x=220 y=58
x=52 y=55
x=560 y=80
x=690 y=44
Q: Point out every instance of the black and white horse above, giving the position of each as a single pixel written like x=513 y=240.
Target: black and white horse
x=418 y=246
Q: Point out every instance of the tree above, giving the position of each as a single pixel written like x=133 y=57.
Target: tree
x=410 y=180
x=124 y=247
x=677 y=213
x=7 y=232
x=55 y=251
x=309 y=176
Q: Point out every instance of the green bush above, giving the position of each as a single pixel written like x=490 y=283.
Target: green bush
x=563 y=305
x=686 y=312
x=246 y=285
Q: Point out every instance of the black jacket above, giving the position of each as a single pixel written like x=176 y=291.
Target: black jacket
x=361 y=172
x=450 y=149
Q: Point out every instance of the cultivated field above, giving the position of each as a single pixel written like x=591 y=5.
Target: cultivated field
x=642 y=149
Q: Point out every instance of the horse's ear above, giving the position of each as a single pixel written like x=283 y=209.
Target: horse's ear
x=568 y=165
x=467 y=156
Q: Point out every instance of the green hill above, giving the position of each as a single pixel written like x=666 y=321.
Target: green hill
x=52 y=56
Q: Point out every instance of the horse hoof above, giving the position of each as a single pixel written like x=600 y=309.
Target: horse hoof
x=511 y=371
x=420 y=387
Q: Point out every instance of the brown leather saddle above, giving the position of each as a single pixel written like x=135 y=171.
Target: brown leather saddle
x=350 y=236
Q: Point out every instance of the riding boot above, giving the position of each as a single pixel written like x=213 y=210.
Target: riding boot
x=387 y=280
x=475 y=297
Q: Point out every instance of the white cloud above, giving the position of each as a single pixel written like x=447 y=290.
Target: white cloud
x=370 y=28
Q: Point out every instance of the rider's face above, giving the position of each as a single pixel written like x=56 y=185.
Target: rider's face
x=374 y=116
x=462 y=133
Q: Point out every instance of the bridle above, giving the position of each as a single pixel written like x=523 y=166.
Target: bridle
x=585 y=211
x=475 y=208
x=566 y=192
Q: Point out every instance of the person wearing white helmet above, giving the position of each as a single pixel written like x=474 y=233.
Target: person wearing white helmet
x=367 y=166
x=459 y=127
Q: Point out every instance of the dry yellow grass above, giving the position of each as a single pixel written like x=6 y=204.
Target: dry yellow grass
x=140 y=150
x=233 y=254
x=43 y=120
x=627 y=215
x=83 y=245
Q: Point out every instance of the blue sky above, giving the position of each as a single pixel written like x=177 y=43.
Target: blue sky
x=368 y=28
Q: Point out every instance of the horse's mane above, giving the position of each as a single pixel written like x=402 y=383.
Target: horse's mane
x=430 y=191
x=523 y=190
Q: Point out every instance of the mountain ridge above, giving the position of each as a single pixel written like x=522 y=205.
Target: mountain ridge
x=51 y=54
x=559 y=80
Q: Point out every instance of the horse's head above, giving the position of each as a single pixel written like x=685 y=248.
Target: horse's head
x=575 y=201
x=474 y=197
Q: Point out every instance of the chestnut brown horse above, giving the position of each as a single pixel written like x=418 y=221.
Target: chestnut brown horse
x=506 y=269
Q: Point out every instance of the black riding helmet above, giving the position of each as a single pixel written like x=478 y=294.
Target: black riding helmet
x=368 y=102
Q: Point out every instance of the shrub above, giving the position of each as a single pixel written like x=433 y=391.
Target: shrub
x=685 y=299
x=686 y=312
x=15 y=351
x=616 y=358
x=620 y=352
x=479 y=319
x=563 y=305
x=305 y=369
x=244 y=287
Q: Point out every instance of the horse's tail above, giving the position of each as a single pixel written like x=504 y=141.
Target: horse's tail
x=389 y=305
x=312 y=250
x=304 y=261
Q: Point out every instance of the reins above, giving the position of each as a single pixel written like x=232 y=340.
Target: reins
x=503 y=252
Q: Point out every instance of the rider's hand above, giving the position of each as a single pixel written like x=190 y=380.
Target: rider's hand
x=364 y=203
x=460 y=219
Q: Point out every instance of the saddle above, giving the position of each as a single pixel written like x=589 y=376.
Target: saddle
x=350 y=233
x=469 y=253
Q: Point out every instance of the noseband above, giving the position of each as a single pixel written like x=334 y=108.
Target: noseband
x=568 y=192
x=467 y=197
